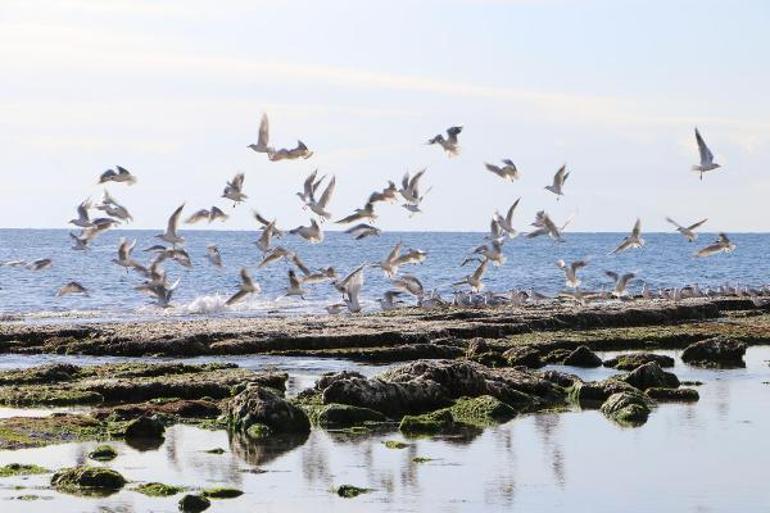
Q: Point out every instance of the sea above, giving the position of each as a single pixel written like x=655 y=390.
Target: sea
x=667 y=260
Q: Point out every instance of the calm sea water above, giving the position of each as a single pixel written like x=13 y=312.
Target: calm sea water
x=701 y=457
x=666 y=261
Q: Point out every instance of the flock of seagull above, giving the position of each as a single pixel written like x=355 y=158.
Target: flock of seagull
x=316 y=196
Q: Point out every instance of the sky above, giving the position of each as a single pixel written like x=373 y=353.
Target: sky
x=173 y=91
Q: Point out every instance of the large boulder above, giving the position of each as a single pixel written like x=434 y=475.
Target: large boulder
x=582 y=357
x=627 y=408
x=715 y=352
x=650 y=375
x=427 y=385
x=145 y=428
x=631 y=361
x=261 y=405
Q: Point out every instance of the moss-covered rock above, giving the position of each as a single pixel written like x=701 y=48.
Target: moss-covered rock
x=631 y=361
x=395 y=444
x=148 y=428
x=582 y=356
x=427 y=423
x=86 y=480
x=344 y=416
x=650 y=375
x=593 y=394
x=627 y=408
x=158 y=489
x=421 y=459
x=222 y=492
x=103 y=453
x=193 y=503
x=716 y=352
x=24 y=432
x=257 y=431
x=20 y=469
x=481 y=411
x=261 y=405
x=525 y=356
x=686 y=395
x=349 y=491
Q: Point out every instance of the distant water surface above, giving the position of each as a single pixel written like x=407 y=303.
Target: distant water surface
x=666 y=261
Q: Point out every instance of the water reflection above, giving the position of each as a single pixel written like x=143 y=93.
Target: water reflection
x=545 y=462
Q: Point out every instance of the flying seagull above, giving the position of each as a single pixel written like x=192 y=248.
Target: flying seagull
x=119 y=174
x=72 y=287
x=450 y=143
x=706 y=157
x=721 y=245
x=558 y=182
x=360 y=214
x=263 y=145
x=312 y=233
x=234 y=190
x=363 y=230
x=632 y=241
x=687 y=231
x=506 y=223
x=248 y=286
x=112 y=208
x=213 y=255
x=621 y=282
x=170 y=234
x=508 y=172
x=570 y=272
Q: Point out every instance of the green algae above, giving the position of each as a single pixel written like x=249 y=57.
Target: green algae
x=349 y=491
x=19 y=469
x=103 y=453
x=222 y=493
x=158 y=489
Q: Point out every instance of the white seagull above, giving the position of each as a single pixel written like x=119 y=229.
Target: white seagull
x=687 y=231
x=634 y=240
x=706 y=157
x=558 y=182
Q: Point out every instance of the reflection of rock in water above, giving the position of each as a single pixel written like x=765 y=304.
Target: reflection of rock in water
x=262 y=451
x=144 y=444
x=462 y=436
x=315 y=460
x=546 y=426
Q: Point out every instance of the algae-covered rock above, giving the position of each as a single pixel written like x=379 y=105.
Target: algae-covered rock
x=344 y=416
x=593 y=394
x=350 y=491
x=687 y=395
x=481 y=411
x=103 y=453
x=258 y=431
x=86 y=480
x=22 y=432
x=717 y=352
x=650 y=375
x=20 y=469
x=562 y=379
x=427 y=423
x=627 y=408
x=525 y=356
x=261 y=405
x=158 y=489
x=193 y=503
x=556 y=356
x=631 y=361
x=481 y=352
x=222 y=492
x=395 y=444
x=148 y=428
x=583 y=357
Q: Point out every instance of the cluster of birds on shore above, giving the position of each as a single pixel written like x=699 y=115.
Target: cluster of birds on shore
x=316 y=197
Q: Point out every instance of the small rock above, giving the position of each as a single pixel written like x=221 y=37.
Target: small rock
x=103 y=453
x=158 y=489
x=427 y=424
x=350 y=491
x=627 y=408
x=583 y=357
x=222 y=493
x=85 y=480
x=717 y=352
x=261 y=405
x=556 y=356
x=650 y=375
x=193 y=503
x=344 y=416
x=594 y=394
x=673 y=394
x=524 y=356
x=395 y=444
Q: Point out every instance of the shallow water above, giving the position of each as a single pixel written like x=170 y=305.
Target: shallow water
x=666 y=261
x=706 y=456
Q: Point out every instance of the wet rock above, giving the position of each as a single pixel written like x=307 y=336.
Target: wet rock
x=594 y=394
x=20 y=469
x=147 y=428
x=631 y=361
x=481 y=411
x=562 y=379
x=350 y=491
x=222 y=493
x=650 y=375
x=261 y=405
x=427 y=423
x=395 y=444
x=181 y=408
x=556 y=356
x=429 y=385
x=193 y=503
x=45 y=374
x=158 y=489
x=23 y=432
x=583 y=357
x=524 y=356
x=85 y=480
x=328 y=378
x=103 y=453
x=344 y=415
x=717 y=352
x=627 y=408
x=480 y=351
x=673 y=394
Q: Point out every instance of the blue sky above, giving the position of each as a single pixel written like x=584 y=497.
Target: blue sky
x=174 y=90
